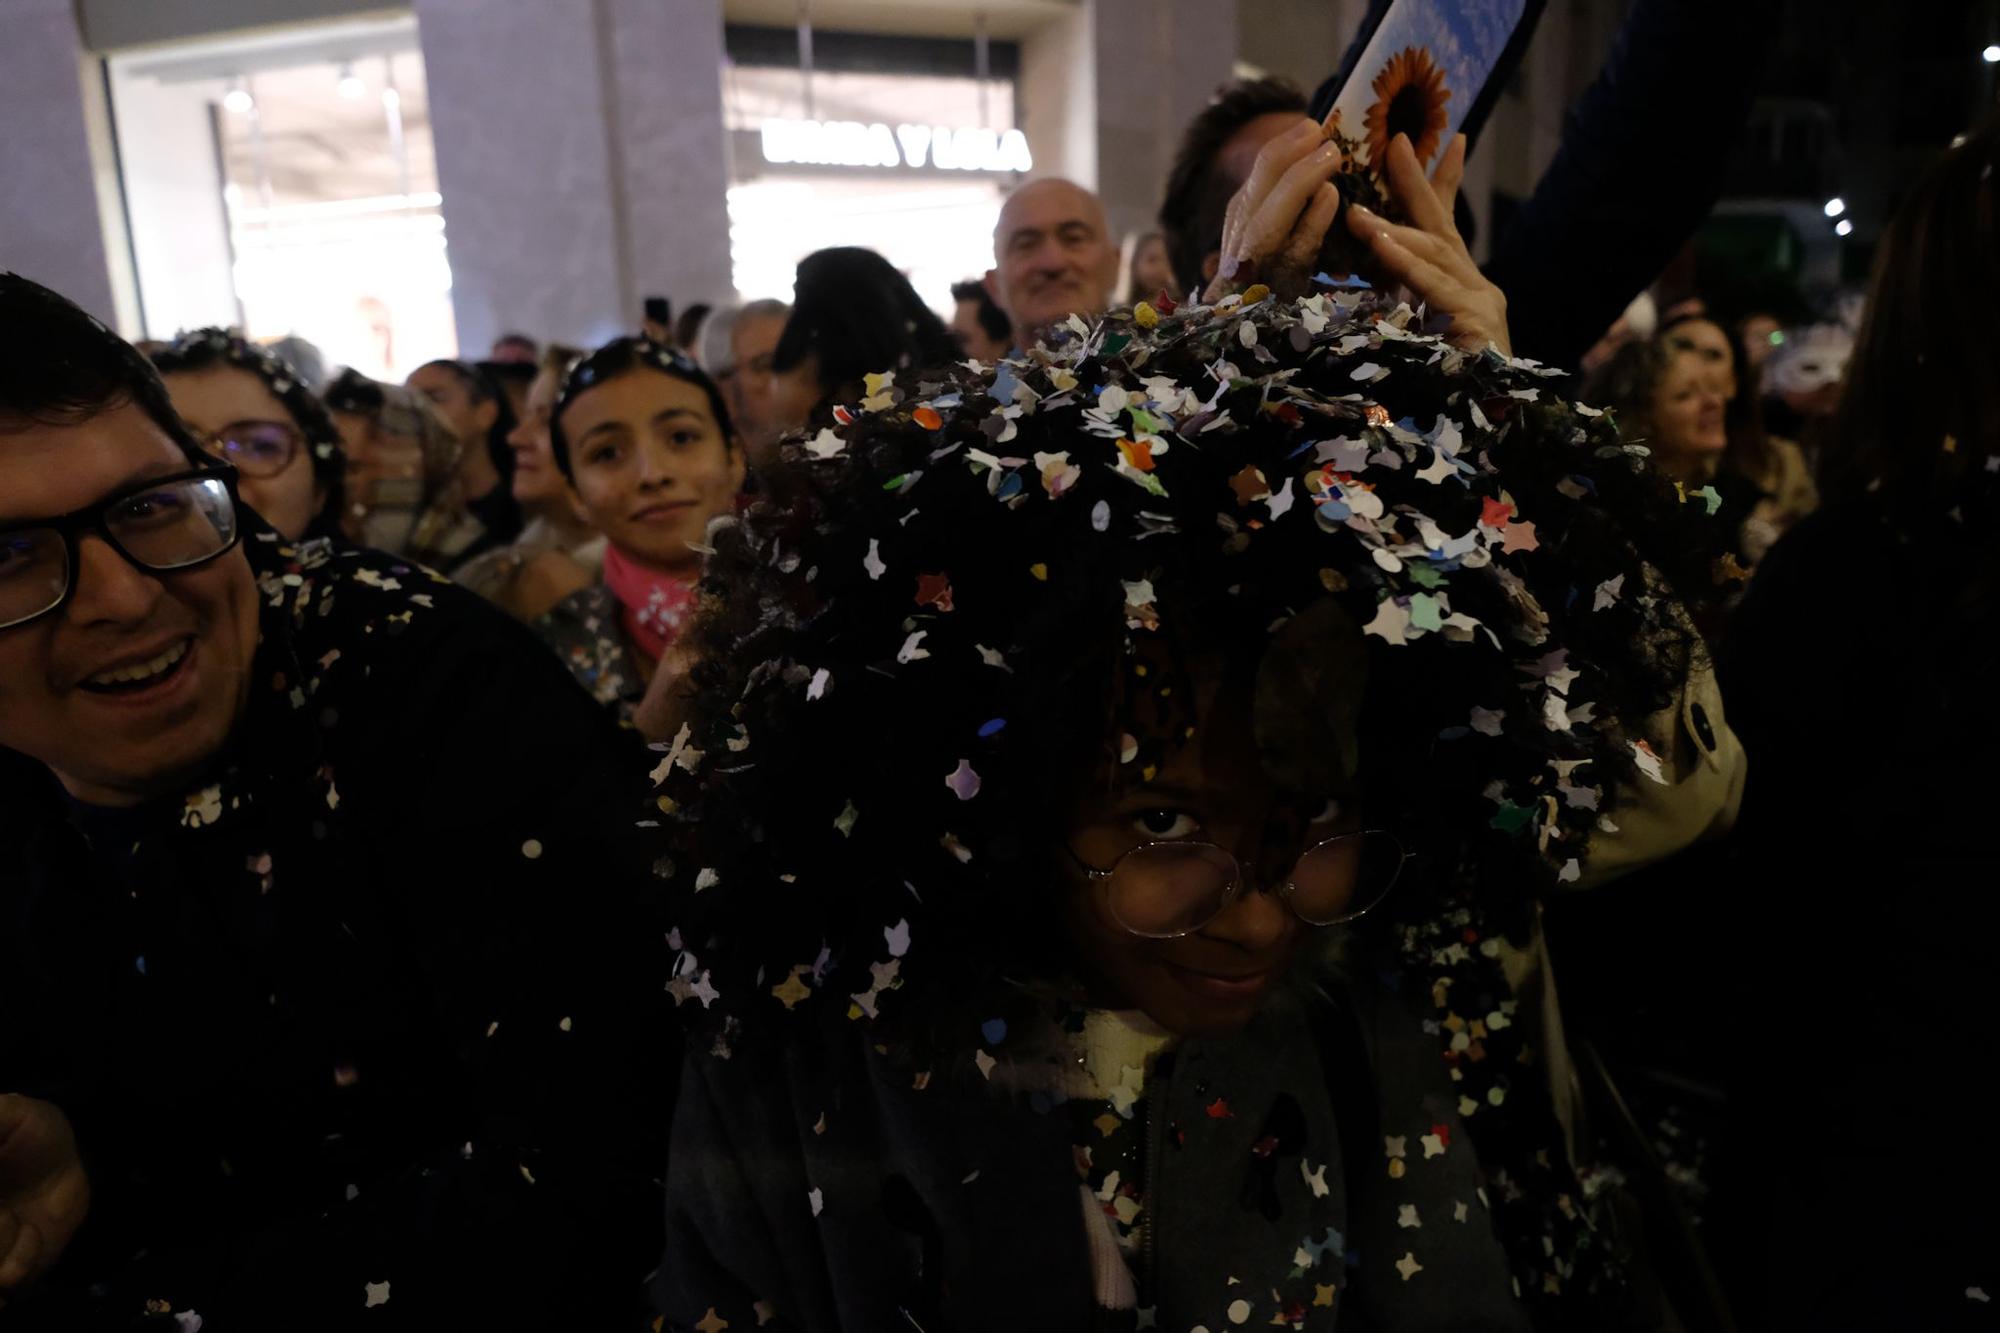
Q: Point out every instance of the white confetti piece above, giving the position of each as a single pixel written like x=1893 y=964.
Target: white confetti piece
x=377 y=1293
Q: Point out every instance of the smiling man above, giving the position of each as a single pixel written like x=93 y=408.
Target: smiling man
x=1053 y=256
x=322 y=949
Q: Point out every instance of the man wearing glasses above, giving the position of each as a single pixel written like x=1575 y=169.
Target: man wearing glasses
x=324 y=956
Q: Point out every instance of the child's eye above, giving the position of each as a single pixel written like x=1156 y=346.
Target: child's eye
x=1165 y=825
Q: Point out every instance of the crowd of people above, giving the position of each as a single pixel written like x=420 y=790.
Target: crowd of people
x=816 y=815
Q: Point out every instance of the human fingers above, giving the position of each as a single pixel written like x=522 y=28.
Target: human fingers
x=1302 y=248
x=1273 y=160
x=1474 y=309
x=1267 y=229
x=1413 y=193
x=21 y=1259
x=1448 y=174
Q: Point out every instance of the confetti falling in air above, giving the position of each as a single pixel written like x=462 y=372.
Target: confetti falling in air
x=963 y=781
x=374 y=1294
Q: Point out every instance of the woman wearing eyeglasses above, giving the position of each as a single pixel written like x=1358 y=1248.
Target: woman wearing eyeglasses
x=644 y=440
x=1107 y=831
x=250 y=409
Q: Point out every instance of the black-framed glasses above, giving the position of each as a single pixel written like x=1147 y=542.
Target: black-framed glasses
x=161 y=526
x=256 y=448
x=1164 y=890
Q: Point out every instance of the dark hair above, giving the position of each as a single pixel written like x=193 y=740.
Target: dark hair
x=204 y=349
x=59 y=367
x=1198 y=192
x=1926 y=363
x=619 y=357
x=503 y=373
x=852 y=309
x=1628 y=379
x=519 y=340
x=482 y=389
x=689 y=324
x=992 y=319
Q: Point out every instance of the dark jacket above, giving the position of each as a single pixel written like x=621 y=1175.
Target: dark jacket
x=365 y=1030
x=1640 y=164
x=1860 y=671
x=819 y=1179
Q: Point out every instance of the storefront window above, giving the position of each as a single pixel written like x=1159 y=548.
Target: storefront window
x=910 y=163
x=289 y=188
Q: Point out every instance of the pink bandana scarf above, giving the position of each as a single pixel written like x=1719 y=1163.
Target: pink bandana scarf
x=653 y=607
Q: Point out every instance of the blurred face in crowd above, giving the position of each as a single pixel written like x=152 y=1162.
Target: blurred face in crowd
x=1705 y=340
x=133 y=686
x=538 y=484
x=651 y=466
x=1052 y=256
x=1686 y=425
x=235 y=416
x=971 y=336
x=452 y=397
x=795 y=393
x=1215 y=789
x=751 y=388
x=1152 y=271
x=1762 y=335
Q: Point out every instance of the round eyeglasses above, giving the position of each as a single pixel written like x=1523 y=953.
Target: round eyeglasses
x=163 y=525
x=1164 y=890
x=256 y=448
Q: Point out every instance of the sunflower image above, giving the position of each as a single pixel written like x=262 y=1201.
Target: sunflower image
x=1410 y=97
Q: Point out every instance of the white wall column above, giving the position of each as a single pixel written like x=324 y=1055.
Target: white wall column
x=580 y=155
x=51 y=227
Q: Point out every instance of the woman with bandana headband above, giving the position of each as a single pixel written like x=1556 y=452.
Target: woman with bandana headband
x=253 y=410
x=646 y=443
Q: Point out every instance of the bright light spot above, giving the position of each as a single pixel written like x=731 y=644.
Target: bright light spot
x=1835 y=206
x=1843 y=228
x=1777 y=337
x=238 y=100
x=1991 y=55
x=391 y=98
x=350 y=85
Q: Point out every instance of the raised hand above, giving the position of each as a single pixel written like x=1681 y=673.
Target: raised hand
x=1428 y=256
x=44 y=1194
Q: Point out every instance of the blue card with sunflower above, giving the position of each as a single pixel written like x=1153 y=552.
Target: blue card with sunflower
x=1430 y=70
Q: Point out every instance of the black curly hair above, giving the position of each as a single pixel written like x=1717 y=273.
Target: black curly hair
x=204 y=349
x=858 y=315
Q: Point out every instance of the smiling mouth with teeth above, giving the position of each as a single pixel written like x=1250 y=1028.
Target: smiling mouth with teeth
x=140 y=675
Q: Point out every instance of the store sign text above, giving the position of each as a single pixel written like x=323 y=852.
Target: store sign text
x=850 y=143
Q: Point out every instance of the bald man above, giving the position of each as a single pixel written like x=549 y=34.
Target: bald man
x=1053 y=256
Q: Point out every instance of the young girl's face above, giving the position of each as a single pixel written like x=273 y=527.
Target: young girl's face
x=1222 y=954
x=651 y=465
